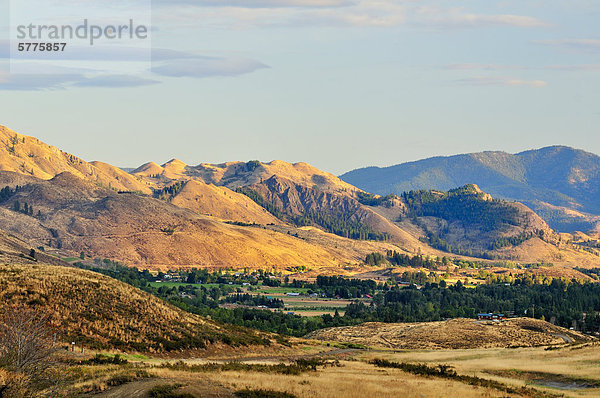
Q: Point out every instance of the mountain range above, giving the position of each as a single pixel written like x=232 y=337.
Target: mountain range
x=560 y=183
x=283 y=216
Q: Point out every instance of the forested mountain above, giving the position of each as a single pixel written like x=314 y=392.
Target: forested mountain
x=470 y=222
x=560 y=183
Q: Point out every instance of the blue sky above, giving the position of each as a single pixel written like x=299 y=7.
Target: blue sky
x=339 y=84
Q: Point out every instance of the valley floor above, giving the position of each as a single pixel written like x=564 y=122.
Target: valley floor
x=569 y=371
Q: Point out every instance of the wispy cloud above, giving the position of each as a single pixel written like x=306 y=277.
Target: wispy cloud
x=339 y=13
x=573 y=44
x=449 y=18
x=475 y=66
x=115 y=81
x=501 y=81
x=259 y=3
x=44 y=82
x=208 y=67
x=468 y=66
x=165 y=64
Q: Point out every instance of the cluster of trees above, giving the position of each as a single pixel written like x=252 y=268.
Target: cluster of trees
x=25 y=209
x=169 y=192
x=417 y=261
x=261 y=201
x=7 y=192
x=375 y=259
x=516 y=240
x=341 y=224
x=338 y=223
x=369 y=199
x=567 y=302
x=421 y=278
x=464 y=204
x=254 y=300
x=440 y=243
x=593 y=273
x=337 y=286
x=468 y=206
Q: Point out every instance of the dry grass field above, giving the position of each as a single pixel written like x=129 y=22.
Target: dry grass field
x=86 y=307
x=455 y=333
x=571 y=371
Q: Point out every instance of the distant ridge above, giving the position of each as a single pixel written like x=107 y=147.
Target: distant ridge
x=560 y=183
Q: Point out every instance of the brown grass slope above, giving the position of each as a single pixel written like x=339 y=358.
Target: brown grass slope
x=30 y=156
x=297 y=189
x=139 y=230
x=16 y=251
x=221 y=202
x=452 y=334
x=294 y=200
x=237 y=174
x=104 y=313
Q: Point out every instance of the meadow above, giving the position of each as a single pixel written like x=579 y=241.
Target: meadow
x=565 y=371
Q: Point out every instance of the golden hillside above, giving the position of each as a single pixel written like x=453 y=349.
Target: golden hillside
x=30 y=156
x=187 y=228
x=139 y=230
x=453 y=334
x=222 y=203
x=104 y=313
x=237 y=174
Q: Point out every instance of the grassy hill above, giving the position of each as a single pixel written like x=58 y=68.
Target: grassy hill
x=104 y=313
x=453 y=334
x=176 y=215
x=560 y=183
x=221 y=202
x=72 y=214
x=30 y=156
x=236 y=174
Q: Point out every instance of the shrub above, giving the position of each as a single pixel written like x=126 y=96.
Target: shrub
x=247 y=393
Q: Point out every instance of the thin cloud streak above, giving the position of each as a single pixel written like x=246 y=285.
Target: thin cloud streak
x=501 y=81
x=474 y=66
x=592 y=45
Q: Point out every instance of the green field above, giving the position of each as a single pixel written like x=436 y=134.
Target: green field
x=258 y=288
x=300 y=304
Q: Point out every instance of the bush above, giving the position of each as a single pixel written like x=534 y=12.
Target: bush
x=263 y=394
x=168 y=391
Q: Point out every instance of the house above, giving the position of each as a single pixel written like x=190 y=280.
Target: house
x=293 y=294
x=491 y=317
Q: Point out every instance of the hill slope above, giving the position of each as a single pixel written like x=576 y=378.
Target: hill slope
x=452 y=334
x=73 y=214
x=236 y=174
x=560 y=183
x=221 y=202
x=102 y=312
x=30 y=156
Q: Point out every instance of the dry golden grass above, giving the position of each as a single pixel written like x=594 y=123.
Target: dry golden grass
x=223 y=203
x=102 y=312
x=351 y=379
x=511 y=366
x=30 y=156
x=455 y=333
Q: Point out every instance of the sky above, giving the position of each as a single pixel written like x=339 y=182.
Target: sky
x=340 y=84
